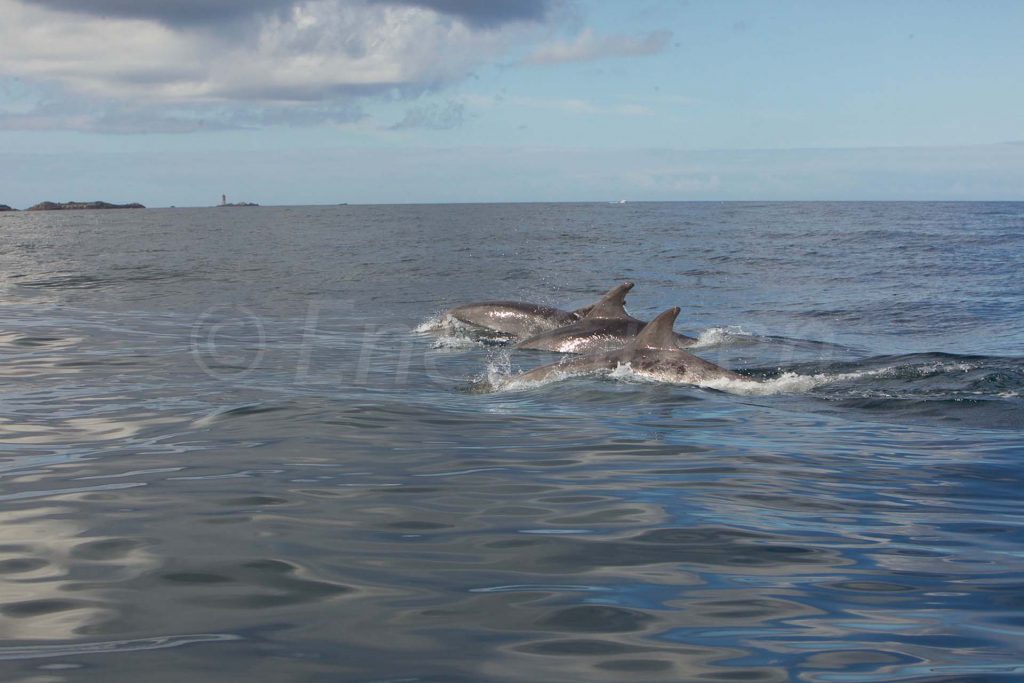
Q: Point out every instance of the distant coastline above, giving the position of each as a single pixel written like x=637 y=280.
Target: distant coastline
x=4 y=207
x=77 y=206
x=224 y=202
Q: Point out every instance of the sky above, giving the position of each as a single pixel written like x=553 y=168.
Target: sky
x=395 y=101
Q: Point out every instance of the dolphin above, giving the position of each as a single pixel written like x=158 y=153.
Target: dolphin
x=606 y=326
x=520 y=319
x=653 y=353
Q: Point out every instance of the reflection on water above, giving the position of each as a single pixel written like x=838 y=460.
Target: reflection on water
x=647 y=558
x=330 y=503
x=50 y=574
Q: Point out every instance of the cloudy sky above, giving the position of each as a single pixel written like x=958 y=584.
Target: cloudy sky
x=173 y=102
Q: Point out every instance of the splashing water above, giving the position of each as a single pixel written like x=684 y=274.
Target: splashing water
x=435 y=323
x=500 y=376
x=722 y=336
x=452 y=333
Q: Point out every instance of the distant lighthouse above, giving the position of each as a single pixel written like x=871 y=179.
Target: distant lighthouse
x=223 y=200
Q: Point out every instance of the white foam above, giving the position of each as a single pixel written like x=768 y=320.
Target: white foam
x=452 y=333
x=501 y=378
x=434 y=323
x=498 y=368
x=942 y=368
x=625 y=372
x=786 y=383
x=789 y=382
x=454 y=342
x=720 y=336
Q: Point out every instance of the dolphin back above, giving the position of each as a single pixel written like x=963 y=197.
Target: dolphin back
x=585 y=336
x=653 y=352
x=515 y=318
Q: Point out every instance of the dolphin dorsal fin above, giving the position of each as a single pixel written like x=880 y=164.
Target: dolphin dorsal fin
x=582 y=312
x=658 y=333
x=612 y=304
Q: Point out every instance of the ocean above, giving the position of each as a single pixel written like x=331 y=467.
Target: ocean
x=234 y=447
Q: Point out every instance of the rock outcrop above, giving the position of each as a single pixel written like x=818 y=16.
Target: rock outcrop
x=66 y=206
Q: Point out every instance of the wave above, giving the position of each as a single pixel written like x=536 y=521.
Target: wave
x=126 y=275
x=937 y=375
x=434 y=323
x=933 y=376
x=501 y=378
x=786 y=383
x=723 y=336
x=65 y=650
x=736 y=335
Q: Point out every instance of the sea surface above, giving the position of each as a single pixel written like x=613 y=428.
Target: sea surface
x=233 y=446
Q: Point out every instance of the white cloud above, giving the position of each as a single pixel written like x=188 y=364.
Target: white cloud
x=588 y=47
x=136 y=66
x=285 y=56
x=315 y=49
x=220 y=12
